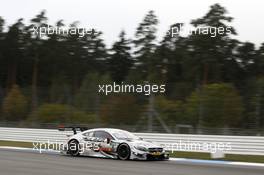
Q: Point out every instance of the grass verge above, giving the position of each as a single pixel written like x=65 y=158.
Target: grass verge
x=16 y=144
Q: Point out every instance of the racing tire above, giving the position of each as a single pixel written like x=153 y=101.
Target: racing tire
x=123 y=151
x=73 y=148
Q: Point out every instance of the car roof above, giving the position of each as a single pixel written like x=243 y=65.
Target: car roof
x=110 y=130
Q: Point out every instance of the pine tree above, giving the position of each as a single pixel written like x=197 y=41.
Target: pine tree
x=54 y=57
x=259 y=61
x=13 y=48
x=209 y=50
x=35 y=51
x=3 y=64
x=172 y=53
x=145 y=45
x=120 y=60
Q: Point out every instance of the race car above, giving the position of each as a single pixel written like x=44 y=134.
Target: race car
x=110 y=143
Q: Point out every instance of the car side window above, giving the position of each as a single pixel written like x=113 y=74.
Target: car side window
x=89 y=134
x=102 y=135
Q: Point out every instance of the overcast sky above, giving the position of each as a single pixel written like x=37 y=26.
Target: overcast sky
x=111 y=16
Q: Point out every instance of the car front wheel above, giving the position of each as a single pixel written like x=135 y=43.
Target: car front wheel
x=123 y=151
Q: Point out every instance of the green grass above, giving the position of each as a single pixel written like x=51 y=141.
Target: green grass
x=178 y=154
x=16 y=144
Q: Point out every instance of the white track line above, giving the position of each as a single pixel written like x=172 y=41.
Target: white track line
x=15 y=148
x=219 y=162
x=29 y=149
x=247 y=164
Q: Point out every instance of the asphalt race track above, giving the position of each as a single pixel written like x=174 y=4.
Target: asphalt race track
x=29 y=163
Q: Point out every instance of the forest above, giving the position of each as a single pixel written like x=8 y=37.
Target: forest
x=211 y=82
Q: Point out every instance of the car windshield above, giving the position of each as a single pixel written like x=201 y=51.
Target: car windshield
x=124 y=135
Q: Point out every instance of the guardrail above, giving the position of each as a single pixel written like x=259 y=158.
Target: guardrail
x=247 y=145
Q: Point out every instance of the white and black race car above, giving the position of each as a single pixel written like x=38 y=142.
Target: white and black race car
x=111 y=143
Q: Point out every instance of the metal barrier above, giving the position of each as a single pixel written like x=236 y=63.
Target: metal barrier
x=247 y=145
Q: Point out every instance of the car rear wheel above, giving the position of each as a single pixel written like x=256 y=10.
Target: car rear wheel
x=123 y=151
x=73 y=148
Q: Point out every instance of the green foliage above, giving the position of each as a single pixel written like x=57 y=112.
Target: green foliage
x=88 y=97
x=145 y=46
x=120 y=60
x=14 y=105
x=255 y=103
x=120 y=109
x=209 y=55
x=60 y=113
x=66 y=69
x=58 y=90
x=217 y=105
x=170 y=110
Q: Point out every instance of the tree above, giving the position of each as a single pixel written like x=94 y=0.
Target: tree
x=209 y=50
x=2 y=22
x=13 y=50
x=171 y=111
x=121 y=109
x=96 y=52
x=120 y=60
x=88 y=98
x=3 y=65
x=254 y=100
x=35 y=51
x=76 y=55
x=215 y=105
x=84 y=55
x=15 y=105
x=59 y=91
x=246 y=55
x=59 y=113
x=258 y=64
x=55 y=55
x=258 y=103
x=145 y=46
x=172 y=54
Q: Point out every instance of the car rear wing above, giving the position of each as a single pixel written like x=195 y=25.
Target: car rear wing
x=72 y=128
